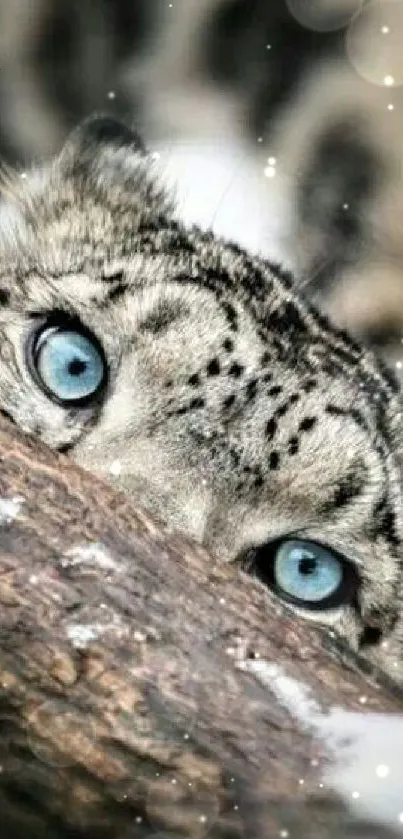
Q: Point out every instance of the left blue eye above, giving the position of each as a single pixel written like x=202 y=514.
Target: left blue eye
x=69 y=364
x=307 y=573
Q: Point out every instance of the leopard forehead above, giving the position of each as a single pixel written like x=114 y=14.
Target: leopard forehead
x=233 y=409
x=220 y=333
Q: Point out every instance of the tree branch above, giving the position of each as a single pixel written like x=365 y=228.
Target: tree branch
x=143 y=685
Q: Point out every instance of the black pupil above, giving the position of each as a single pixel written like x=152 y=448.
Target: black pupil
x=307 y=565
x=76 y=367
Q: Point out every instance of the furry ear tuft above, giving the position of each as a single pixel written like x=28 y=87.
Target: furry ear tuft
x=98 y=133
x=103 y=130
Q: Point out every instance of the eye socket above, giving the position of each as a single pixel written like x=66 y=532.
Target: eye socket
x=305 y=574
x=67 y=362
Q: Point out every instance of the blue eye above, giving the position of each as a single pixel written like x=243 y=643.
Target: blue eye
x=307 y=574
x=69 y=364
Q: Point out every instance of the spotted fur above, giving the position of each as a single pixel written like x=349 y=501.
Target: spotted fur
x=232 y=409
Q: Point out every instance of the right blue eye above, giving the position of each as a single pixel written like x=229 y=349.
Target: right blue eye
x=68 y=363
x=306 y=572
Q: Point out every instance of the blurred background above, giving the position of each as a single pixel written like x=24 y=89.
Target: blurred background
x=279 y=123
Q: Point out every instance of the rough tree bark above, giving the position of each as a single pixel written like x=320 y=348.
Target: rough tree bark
x=134 y=699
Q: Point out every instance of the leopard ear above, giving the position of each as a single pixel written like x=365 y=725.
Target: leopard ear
x=104 y=157
x=98 y=134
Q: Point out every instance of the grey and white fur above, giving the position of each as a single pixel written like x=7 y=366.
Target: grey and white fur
x=237 y=414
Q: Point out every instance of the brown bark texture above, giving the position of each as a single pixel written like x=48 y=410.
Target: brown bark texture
x=129 y=703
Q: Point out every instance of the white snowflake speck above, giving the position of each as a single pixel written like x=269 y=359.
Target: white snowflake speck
x=80 y=635
x=9 y=508
x=115 y=468
x=92 y=553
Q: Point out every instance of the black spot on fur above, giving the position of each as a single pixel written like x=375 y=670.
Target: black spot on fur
x=271 y=428
x=335 y=411
x=251 y=389
x=194 y=405
x=286 y=319
x=282 y=409
x=213 y=367
x=275 y=390
x=228 y=345
x=293 y=445
x=4 y=296
x=293 y=318
x=231 y=315
x=307 y=423
x=266 y=358
x=197 y=403
x=194 y=380
x=229 y=401
x=236 y=370
x=274 y=460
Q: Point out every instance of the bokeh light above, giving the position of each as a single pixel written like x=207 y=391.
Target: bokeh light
x=324 y=15
x=374 y=43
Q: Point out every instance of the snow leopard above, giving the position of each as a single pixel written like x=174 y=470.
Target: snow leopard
x=194 y=378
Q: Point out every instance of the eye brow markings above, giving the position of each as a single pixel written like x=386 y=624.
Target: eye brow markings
x=159 y=319
x=118 y=290
x=195 y=404
x=256 y=281
x=383 y=519
x=114 y=277
x=349 y=487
